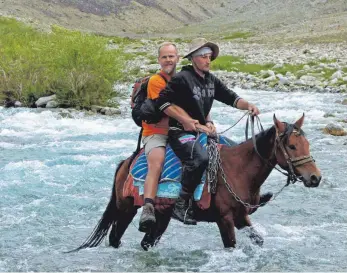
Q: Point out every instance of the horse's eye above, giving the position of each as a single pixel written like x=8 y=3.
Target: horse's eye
x=292 y=147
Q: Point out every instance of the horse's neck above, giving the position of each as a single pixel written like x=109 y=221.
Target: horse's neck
x=244 y=162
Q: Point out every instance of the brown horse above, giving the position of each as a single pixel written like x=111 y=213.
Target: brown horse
x=244 y=168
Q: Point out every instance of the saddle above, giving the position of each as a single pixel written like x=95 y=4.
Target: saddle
x=169 y=184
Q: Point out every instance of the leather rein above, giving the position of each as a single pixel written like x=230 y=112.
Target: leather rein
x=279 y=143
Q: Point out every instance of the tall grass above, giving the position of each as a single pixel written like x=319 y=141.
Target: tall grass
x=75 y=66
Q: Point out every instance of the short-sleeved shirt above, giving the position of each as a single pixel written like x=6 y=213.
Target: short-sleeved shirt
x=155 y=85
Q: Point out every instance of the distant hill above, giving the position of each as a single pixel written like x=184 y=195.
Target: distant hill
x=181 y=18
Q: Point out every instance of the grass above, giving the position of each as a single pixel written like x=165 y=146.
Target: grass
x=238 y=35
x=77 y=67
x=237 y=64
x=232 y=63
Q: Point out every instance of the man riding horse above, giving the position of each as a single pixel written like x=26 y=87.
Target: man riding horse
x=194 y=89
x=187 y=100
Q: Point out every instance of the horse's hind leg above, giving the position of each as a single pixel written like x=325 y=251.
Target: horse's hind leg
x=227 y=230
x=119 y=227
x=162 y=221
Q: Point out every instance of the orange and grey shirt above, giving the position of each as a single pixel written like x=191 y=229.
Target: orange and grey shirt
x=155 y=85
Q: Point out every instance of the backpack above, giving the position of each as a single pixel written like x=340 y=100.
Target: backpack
x=142 y=108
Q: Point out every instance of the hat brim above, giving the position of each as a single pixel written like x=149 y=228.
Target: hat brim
x=214 y=48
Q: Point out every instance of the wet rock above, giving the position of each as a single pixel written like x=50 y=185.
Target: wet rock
x=270 y=79
x=17 y=104
x=65 y=113
x=335 y=129
x=109 y=111
x=41 y=102
x=96 y=108
x=52 y=104
x=334 y=81
x=337 y=75
x=344 y=102
x=329 y=115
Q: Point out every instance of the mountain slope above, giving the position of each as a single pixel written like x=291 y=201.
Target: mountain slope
x=183 y=17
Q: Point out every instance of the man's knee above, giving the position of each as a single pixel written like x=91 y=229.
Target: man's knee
x=156 y=157
x=204 y=160
x=201 y=161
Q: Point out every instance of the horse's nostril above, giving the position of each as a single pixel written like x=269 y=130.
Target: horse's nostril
x=315 y=179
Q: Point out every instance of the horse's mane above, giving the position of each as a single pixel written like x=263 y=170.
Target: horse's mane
x=288 y=131
x=263 y=137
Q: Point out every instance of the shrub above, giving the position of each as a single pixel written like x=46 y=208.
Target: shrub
x=77 y=67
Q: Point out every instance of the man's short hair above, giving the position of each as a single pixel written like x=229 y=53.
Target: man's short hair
x=166 y=44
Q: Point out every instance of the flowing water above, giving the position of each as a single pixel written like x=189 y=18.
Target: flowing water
x=56 y=174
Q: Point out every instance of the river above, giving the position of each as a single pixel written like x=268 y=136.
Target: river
x=56 y=174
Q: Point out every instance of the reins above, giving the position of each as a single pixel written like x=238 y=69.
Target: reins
x=292 y=162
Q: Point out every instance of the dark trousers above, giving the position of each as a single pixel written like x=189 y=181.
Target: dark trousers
x=194 y=160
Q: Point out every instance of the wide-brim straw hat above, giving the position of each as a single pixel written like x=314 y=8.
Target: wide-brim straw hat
x=198 y=43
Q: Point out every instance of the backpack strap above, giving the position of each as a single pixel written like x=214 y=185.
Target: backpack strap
x=163 y=77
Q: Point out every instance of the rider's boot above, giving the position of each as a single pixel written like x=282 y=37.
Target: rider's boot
x=183 y=211
x=147 y=219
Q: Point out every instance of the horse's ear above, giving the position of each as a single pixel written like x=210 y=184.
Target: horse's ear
x=280 y=127
x=300 y=121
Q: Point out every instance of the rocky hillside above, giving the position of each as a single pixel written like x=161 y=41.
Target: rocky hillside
x=180 y=18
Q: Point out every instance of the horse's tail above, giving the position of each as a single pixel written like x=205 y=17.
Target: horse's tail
x=108 y=218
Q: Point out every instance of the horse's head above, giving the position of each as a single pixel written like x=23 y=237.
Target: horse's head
x=293 y=152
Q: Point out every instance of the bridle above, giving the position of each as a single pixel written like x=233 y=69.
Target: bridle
x=292 y=162
x=279 y=143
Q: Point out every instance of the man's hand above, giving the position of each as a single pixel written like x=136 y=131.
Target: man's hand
x=190 y=125
x=211 y=126
x=253 y=109
x=204 y=129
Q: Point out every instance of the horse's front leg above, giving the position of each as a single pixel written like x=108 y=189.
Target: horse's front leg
x=227 y=230
x=253 y=234
x=152 y=238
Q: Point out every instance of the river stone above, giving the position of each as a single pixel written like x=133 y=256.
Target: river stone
x=109 y=111
x=17 y=104
x=335 y=129
x=96 y=108
x=41 y=102
x=337 y=75
x=52 y=104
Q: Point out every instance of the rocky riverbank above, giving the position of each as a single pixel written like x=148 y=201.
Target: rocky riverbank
x=304 y=67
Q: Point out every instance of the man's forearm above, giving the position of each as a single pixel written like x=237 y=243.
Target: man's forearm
x=177 y=113
x=242 y=104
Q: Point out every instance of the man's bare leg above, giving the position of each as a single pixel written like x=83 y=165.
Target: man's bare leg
x=155 y=160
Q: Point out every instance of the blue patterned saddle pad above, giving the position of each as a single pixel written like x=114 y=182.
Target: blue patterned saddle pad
x=169 y=184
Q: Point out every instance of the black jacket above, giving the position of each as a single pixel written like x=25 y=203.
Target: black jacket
x=194 y=94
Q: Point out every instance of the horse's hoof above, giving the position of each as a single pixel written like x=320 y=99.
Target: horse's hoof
x=116 y=244
x=257 y=239
x=146 y=246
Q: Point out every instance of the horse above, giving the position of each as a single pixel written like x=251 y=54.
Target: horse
x=243 y=170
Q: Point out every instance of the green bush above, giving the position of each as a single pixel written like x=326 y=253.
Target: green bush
x=77 y=67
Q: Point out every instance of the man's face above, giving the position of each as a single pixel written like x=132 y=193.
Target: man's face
x=203 y=62
x=168 y=59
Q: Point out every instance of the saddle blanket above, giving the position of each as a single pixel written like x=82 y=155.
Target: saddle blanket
x=169 y=183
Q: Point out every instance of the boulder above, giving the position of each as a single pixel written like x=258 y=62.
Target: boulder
x=334 y=129
x=52 y=104
x=41 y=102
x=17 y=104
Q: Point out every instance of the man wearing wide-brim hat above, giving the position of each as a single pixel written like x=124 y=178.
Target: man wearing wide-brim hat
x=194 y=89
